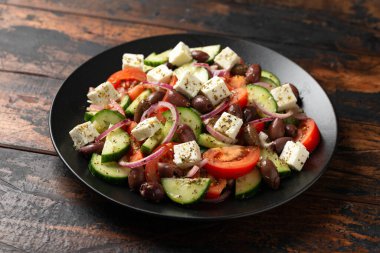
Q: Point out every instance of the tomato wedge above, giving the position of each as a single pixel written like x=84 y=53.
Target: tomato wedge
x=134 y=92
x=308 y=134
x=127 y=74
x=240 y=96
x=151 y=168
x=231 y=162
x=216 y=188
x=236 y=82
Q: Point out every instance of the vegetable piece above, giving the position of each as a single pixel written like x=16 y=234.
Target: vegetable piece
x=281 y=166
x=231 y=162
x=240 y=97
x=216 y=187
x=134 y=92
x=210 y=141
x=151 y=168
x=219 y=136
x=308 y=134
x=221 y=107
x=88 y=115
x=110 y=172
x=211 y=50
x=187 y=116
x=127 y=74
x=185 y=190
x=248 y=185
x=269 y=76
x=116 y=145
x=155 y=60
x=261 y=97
x=104 y=118
x=235 y=82
x=125 y=102
x=130 y=111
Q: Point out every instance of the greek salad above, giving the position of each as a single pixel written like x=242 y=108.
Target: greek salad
x=194 y=124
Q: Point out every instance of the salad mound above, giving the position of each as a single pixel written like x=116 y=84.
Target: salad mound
x=194 y=124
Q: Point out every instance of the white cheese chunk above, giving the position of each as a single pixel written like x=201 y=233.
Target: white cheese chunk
x=160 y=74
x=227 y=58
x=103 y=94
x=284 y=97
x=83 y=134
x=188 y=84
x=146 y=128
x=187 y=154
x=228 y=125
x=133 y=60
x=294 y=154
x=180 y=54
x=215 y=90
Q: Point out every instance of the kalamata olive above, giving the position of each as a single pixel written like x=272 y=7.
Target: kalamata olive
x=296 y=94
x=239 y=69
x=235 y=110
x=280 y=143
x=152 y=191
x=253 y=73
x=270 y=174
x=141 y=108
x=170 y=66
x=251 y=138
x=202 y=104
x=177 y=99
x=179 y=172
x=166 y=169
x=155 y=97
x=185 y=133
x=290 y=130
x=276 y=129
x=200 y=56
x=250 y=113
x=89 y=149
x=136 y=178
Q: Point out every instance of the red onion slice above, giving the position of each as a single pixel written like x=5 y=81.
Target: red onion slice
x=267 y=86
x=261 y=120
x=273 y=114
x=219 y=199
x=175 y=116
x=192 y=171
x=146 y=114
x=220 y=136
x=117 y=107
x=203 y=163
x=161 y=85
x=143 y=161
x=116 y=126
x=222 y=106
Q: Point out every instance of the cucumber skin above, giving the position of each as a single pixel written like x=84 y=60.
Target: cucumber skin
x=266 y=153
x=209 y=141
x=116 y=155
x=270 y=76
x=88 y=116
x=252 y=88
x=130 y=111
x=182 y=110
x=253 y=191
x=125 y=102
x=155 y=60
x=108 y=179
x=99 y=114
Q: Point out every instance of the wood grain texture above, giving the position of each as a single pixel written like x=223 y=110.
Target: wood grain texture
x=63 y=215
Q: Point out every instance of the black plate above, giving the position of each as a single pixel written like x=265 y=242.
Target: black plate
x=70 y=102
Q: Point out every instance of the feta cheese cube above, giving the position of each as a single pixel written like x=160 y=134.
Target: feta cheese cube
x=133 y=60
x=146 y=128
x=180 y=54
x=83 y=134
x=187 y=154
x=188 y=84
x=227 y=58
x=284 y=97
x=228 y=125
x=294 y=154
x=215 y=90
x=160 y=74
x=103 y=94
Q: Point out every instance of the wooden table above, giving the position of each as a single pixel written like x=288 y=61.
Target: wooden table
x=44 y=208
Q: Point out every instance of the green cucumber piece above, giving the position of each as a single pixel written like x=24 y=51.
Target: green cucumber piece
x=88 y=115
x=147 y=68
x=153 y=142
x=110 y=172
x=282 y=168
x=185 y=190
x=125 y=102
x=248 y=185
x=102 y=119
x=258 y=94
x=209 y=141
x=211 y=50
x=130 y=111
x=155 y=60
x=189 y=117
x=116 y=145
x=267 y=76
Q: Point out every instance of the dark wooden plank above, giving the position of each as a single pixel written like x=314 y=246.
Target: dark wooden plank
x=258 y=20
x=40 y=197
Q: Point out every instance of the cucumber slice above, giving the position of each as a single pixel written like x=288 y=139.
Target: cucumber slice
x=209 y=141
x=185 y=190
x=248 y=185
x=212 y=51
x=104 y=118
x=146 y=68
x=155 y=60
x=117 y=143
x=110 y=172
x=125 y=102
x=267 y=76
x=200 y=72
x=152 y=142
x=88 y=115
x=282 y=168
x=258 y=94
x=189 y=117
x=130 y=111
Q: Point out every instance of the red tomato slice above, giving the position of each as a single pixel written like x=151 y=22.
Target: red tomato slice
x=236 y=82
x=134 y=92
x=240 y=96
x=173 y=80
x=259 y=126
x=216 y=188
x=127 y=74
x=231 y=162
x=308 y=134
x=151 y=168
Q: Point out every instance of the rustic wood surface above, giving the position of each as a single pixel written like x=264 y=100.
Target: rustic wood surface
x=44 y=208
